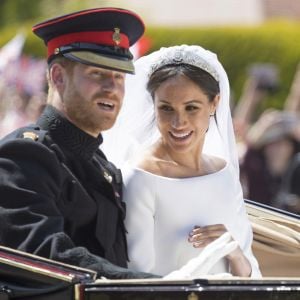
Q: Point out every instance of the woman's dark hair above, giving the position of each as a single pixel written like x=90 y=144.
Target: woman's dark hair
x=203 y=79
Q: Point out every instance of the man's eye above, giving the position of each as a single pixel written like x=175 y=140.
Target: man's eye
x=119 y=76
x=96 y=74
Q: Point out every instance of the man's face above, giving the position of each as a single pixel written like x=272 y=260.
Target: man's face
x=92 y=97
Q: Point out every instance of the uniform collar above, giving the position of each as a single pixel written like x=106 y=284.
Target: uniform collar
x=67 y=135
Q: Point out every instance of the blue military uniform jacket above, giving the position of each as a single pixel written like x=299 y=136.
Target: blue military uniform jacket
x=61 y=199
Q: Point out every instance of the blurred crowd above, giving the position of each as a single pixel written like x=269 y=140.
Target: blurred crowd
x=22 y=86
x=269 y=146
x=268 y=143
x=18 y=109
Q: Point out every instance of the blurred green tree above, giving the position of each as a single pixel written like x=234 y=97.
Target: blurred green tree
x=15 y=12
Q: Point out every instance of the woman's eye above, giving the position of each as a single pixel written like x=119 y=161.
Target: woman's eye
x=165 y=108
x=191 y=108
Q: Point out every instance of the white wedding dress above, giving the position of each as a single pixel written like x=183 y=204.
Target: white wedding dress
x=162 y=211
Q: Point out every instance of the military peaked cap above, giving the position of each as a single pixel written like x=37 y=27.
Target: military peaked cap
x=100 y=37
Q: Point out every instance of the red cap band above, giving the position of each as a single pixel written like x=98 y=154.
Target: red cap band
x=95 y=37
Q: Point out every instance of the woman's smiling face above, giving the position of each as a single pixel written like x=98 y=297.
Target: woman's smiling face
x=182 y=114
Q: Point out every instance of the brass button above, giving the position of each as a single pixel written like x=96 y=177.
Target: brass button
x=107 y=176
x=30 y=135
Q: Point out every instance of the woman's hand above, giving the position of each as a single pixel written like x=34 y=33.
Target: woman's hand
x=201 y=265
x=202 y=236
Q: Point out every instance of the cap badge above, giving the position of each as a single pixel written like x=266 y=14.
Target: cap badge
x=116 y=36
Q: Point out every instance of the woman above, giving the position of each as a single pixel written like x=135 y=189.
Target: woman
x=183 y=192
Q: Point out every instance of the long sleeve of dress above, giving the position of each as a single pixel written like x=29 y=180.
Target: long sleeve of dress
x=244 y=233
x=139 y=196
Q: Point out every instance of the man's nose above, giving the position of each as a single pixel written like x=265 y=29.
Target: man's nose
x=108 y=83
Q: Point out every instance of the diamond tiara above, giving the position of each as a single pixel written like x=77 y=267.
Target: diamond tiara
x=182 y=55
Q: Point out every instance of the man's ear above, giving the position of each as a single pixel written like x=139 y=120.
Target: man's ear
x=58 y=76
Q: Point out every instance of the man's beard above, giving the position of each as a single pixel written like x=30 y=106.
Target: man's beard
x=83 y=113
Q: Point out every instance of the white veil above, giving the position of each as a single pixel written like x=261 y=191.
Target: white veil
x=135 y=127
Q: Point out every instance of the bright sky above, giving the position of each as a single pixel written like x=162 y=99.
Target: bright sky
x=195 y=12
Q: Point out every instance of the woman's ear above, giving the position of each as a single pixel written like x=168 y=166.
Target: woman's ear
x=214 y=105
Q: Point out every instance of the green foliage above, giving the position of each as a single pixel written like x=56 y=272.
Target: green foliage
x=239 y=47
x=17 y=11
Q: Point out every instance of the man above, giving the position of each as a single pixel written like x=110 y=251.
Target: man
x=59 y=196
